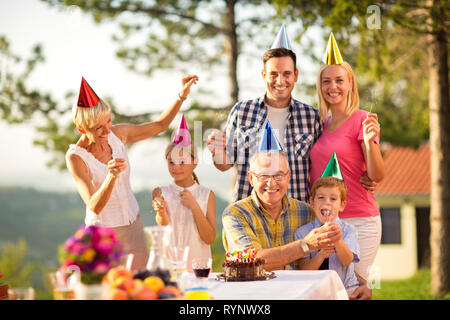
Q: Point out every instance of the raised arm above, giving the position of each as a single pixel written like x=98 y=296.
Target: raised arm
x=130 y=133
x=371 y=149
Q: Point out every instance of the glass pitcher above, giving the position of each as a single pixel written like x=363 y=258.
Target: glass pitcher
x=159 y=236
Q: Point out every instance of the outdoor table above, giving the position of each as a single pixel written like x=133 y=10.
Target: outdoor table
x=287 y=285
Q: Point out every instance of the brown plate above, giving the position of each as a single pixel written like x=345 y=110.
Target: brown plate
x=267 y=276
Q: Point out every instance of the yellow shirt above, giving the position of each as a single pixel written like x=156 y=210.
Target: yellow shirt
x=246 y=224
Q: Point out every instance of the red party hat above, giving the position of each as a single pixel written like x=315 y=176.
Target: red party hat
x=87 y=97
x=182 y=136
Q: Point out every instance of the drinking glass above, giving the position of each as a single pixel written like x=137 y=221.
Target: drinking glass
x=201 y=267
x=21 y=293
x=178 y=257
x=63 y=282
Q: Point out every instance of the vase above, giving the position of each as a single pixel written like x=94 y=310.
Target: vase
x=90 y=291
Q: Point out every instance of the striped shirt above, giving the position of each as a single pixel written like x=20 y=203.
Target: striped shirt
x=246 y=224
x=243 y=129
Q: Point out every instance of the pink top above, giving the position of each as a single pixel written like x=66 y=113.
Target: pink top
x=346 y=141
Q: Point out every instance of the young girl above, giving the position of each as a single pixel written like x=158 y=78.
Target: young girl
x=185 y=205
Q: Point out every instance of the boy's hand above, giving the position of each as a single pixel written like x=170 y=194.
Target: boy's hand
x=326 y=252
x=323 y=237
x=334 y=226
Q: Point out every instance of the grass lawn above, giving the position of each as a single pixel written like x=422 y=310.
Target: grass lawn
x=415 y=288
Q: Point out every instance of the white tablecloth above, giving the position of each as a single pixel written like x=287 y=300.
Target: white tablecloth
x=288 y=285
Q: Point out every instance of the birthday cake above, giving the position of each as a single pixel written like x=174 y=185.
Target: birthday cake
x=243 y=265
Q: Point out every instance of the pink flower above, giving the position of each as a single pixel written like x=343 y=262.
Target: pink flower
x=104 y=248
x=78 y=248
x=100 y=266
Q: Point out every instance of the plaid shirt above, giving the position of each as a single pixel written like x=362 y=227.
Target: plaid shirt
x=244 y=126
x=246 y=224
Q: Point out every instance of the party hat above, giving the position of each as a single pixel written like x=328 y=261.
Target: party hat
x=332 y=54
x=268 y=140
x=87 y=98
x=182 y=136
x=332 y=169
x=282 y=40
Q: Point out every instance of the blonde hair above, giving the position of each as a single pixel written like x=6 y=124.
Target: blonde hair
x=330 y=182
x=87 y=118
x=189 y=149
x=352 y=98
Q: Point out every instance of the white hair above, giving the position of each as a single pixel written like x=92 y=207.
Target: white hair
x=268 y=154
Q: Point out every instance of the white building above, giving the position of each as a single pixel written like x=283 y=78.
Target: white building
x=404 y=201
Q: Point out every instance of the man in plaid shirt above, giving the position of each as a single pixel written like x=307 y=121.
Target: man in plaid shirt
x=297 y=125
x=267 y=220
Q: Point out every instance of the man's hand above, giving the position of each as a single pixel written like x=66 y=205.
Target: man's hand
x=363 y=292
x=216 y=145
x=323 y=237
x=216 y=142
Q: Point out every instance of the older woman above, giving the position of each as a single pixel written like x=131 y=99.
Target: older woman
x=354 y=135
x=99 y=165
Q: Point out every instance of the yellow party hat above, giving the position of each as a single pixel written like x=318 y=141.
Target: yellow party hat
x=332 y=55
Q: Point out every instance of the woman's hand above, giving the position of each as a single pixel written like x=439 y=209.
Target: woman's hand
x=186 y=83
x=116 y=166
x=371 y=127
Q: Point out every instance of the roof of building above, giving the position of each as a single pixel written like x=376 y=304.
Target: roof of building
x=407 y=172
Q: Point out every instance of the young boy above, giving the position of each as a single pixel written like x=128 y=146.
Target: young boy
x=328 y=196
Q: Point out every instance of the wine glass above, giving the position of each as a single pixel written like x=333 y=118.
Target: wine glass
x=202 y=267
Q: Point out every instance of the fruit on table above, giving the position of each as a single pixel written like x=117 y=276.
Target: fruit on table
x=169 y=292
x=117 y=294
x=144 y=285
x=154 y=283
x=143 y=293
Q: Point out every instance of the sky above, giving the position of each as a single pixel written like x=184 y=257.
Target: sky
x=74 y=46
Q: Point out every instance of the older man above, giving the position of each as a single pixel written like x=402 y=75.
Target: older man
x=267 y=219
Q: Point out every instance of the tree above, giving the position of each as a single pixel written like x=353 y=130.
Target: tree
x=428 y=23
x=170 y=34
x=173 y=33
x=17 y=273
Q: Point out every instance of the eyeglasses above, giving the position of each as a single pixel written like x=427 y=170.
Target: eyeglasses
x=266 y=177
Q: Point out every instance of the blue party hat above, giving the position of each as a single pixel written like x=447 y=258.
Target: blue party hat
x=268 y=140
x=282 y=40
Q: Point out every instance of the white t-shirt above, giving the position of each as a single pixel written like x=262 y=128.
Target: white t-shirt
x=278 y=120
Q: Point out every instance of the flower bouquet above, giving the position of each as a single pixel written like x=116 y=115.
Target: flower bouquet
x=94 y=250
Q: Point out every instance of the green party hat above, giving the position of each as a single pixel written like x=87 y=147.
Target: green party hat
x=332 y=169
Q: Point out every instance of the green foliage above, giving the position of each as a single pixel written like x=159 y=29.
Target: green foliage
x=45 y=220
x=16 y=272
x=390 y=62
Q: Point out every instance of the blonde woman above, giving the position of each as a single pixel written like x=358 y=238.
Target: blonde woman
x=99 y=165
x=354 y=135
